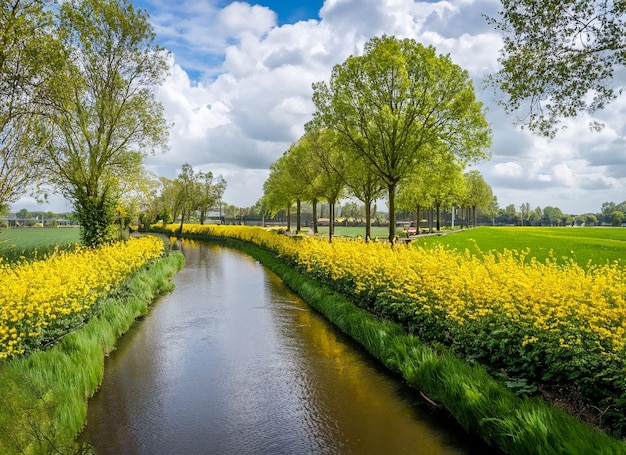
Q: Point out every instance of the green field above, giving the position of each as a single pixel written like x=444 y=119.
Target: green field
x=28 y=242
x=354 y=231
x=596 y=244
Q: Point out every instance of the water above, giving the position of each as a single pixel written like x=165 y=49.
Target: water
x=232 y=362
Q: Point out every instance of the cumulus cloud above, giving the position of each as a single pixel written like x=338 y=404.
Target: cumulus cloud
x=240 y=92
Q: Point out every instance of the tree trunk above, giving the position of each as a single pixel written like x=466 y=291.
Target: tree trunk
x=314 y=216
x=298 y=224
x=392 y=212
x=368 y=220
x=418 y=221
x=331 y=221
x=438 y=210
x=289 y=217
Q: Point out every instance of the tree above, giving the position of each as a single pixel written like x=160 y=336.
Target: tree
x=210 y=193
x=397 y=104
x=276 y=189
x=28 y=58
x=608 y=208
x=104 y=114
x=22 y=214
x=617 y=218
x=591 y=220
x=525 y=212
x=559 y=57
x=187 y=194
x=324 y=149
x=363 y=183
x=552 y=215
x=509 y=214
x=479 y=193
x=493 y=208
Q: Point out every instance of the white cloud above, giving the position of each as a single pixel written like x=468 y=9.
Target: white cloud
x=240 y=92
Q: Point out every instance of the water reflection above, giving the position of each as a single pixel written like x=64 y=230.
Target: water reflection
x=231 y=362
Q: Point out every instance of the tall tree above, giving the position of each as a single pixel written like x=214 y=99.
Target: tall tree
x=398 y=103
x=105 y=115
x=559 y=57
x=324 y=149
x=29 y=56
x=305 y=172
x=210 y=193
x=479 y=193
x=365 y=185
x=277 y=192
x=188 y=193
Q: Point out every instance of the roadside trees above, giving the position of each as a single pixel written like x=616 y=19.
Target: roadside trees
x=399 y=103
x=277 y=193
x=102 y=108
x=559 y=58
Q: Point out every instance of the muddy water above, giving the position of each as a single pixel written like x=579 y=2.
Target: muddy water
x=232 y=362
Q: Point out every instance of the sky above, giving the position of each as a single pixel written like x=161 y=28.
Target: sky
x=239 y=93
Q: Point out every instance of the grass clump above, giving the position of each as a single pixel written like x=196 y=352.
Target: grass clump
x=43 y=397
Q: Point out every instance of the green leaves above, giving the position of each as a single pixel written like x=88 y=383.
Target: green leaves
x=104 y=115
x=397 y=103
x=559 y=57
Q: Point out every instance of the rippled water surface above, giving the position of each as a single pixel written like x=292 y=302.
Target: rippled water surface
x=232 y=362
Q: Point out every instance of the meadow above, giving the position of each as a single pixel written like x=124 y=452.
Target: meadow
x=600 y=245
x=30 y=243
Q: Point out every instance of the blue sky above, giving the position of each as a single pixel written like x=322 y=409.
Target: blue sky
x=239 y=93
x=290 y=11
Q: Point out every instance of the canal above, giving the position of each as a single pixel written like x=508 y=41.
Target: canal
x=232 y=362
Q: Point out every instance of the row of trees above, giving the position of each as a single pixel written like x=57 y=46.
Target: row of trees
x=191 y=194
x=388 y=122
x=77 y=106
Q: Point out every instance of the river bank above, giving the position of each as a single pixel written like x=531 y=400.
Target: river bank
x=480 y=403
x=44 y=395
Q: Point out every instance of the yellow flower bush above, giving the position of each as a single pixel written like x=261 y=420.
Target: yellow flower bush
x=38 y=296
x=539 y=321
x=569 y=302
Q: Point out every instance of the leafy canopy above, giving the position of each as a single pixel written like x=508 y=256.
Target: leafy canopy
x=560 y=58
x=397 y=105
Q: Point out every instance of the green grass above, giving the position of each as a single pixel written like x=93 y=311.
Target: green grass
x=43 y=397
x=596 y=244
x=35 y=242
x=354 y=231
x=479 y=403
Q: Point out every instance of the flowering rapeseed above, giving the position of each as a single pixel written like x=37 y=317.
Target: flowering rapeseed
x=43 y=296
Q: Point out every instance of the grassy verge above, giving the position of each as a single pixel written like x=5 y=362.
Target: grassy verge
x=43 y=397
x=480 y=403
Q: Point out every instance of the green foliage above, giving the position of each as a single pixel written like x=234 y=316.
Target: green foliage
x=103 y=111
x=398 y=105
x=43 y=397
x=559 y=58
x=28 y=59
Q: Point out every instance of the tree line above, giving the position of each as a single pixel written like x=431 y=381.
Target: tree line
x=399 y=121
